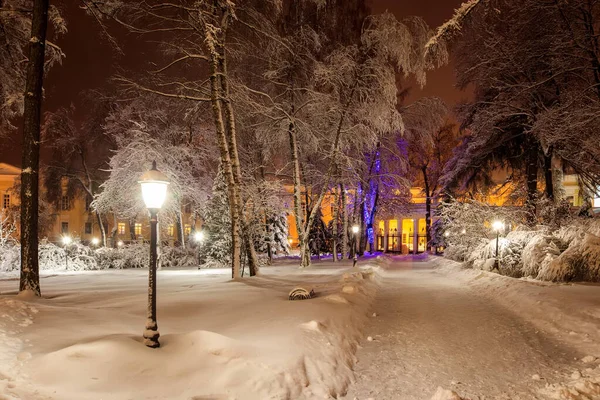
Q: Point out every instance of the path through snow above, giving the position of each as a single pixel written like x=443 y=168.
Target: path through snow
x=432 y=330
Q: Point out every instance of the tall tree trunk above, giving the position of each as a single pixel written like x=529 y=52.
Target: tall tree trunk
x=427 y=207
x=131 y=223
x=334 y=222
x=235 y=160
x=102 y=229
x=557 y=178
x=298 y=212
x=548 y=175
x=180 y=230
x=30 y=279
x=268 y=231
x=215 y=96
x=113 y=233
x=344 y=218
x=532 y=170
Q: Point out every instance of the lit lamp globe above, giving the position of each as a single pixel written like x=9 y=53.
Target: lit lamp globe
x=199 y=236
x=66 y=240
x=95 y=241
x=498 y=226
x=154 y=188
x=355 y=229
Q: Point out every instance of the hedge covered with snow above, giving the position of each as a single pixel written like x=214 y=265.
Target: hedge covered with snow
x=77 y=257
x=570 y=253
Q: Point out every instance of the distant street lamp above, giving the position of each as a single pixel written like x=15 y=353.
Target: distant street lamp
x=154 y=192
x=120 y=243
x=199 y=236
x=355 y=230
x=497 y=226
x=66 y=240
x=95 y=241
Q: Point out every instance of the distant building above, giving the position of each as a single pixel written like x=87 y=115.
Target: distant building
x=75 y=218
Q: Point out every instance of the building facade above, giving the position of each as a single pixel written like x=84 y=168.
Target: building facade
x=73 y=217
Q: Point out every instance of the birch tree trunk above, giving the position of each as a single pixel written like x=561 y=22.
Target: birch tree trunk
x=215 y=97
x=344 y=220
x=29 y=278
x=102 y=228
x=336 y=215
x=180 y=230
x=298 y=212
x=235 y=161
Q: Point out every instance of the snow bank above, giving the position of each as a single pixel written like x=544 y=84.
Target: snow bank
x=220 y=339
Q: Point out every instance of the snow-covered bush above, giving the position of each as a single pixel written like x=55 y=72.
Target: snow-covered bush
x=539 y=253
x=581 y=260
x=10 y=257
x=178 y=257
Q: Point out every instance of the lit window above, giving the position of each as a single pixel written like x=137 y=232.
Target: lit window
x=64 y=227
x=88 y=228
x=6 y=201
x=64 y=203
x=171 y=230
x=188 y=229
x=121 y=228
x=138 y=229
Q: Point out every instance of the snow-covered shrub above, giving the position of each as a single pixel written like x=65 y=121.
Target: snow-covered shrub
x=10 y=257
x=178 y=257
x=74 y=257
x=541 y=250
x=565 y=267
x=510 y=251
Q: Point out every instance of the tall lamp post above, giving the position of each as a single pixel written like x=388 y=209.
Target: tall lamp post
x=355 y=230
x=154 y=191
x=497 y=226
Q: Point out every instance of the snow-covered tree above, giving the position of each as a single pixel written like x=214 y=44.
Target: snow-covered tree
x=80 y=151
x=215 y=250
x=15 y=31
x=152 y=129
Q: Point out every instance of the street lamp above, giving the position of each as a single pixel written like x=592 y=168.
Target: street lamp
x=497 y=226
x=66 y=240
x=355 y=230
x=120 y=243
x=154 y=191
x=95 y=241
x=199 y=236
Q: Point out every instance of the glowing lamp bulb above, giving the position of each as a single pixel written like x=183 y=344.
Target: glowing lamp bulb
x=355 y=229
x=120 y=243
x=154 y=188
x=199 y=236
x=95 y=241
x=66 y=240
x=498 y=226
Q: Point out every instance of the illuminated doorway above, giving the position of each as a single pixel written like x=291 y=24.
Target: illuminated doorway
x=408 y=235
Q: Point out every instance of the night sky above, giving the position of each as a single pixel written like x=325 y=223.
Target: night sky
x=90 y=60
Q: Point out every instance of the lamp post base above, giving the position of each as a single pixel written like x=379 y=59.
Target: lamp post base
x=151 y=335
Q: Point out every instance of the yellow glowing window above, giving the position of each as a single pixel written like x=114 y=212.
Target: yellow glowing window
x=121 y=228
x=171 y=230
x=188 y=229
x=138 y=229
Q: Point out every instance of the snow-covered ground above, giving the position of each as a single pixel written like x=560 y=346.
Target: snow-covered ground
x=220 y=339
x=480 y=335
x=398 y=328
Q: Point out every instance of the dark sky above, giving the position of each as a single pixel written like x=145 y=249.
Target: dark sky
x=90 y=61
